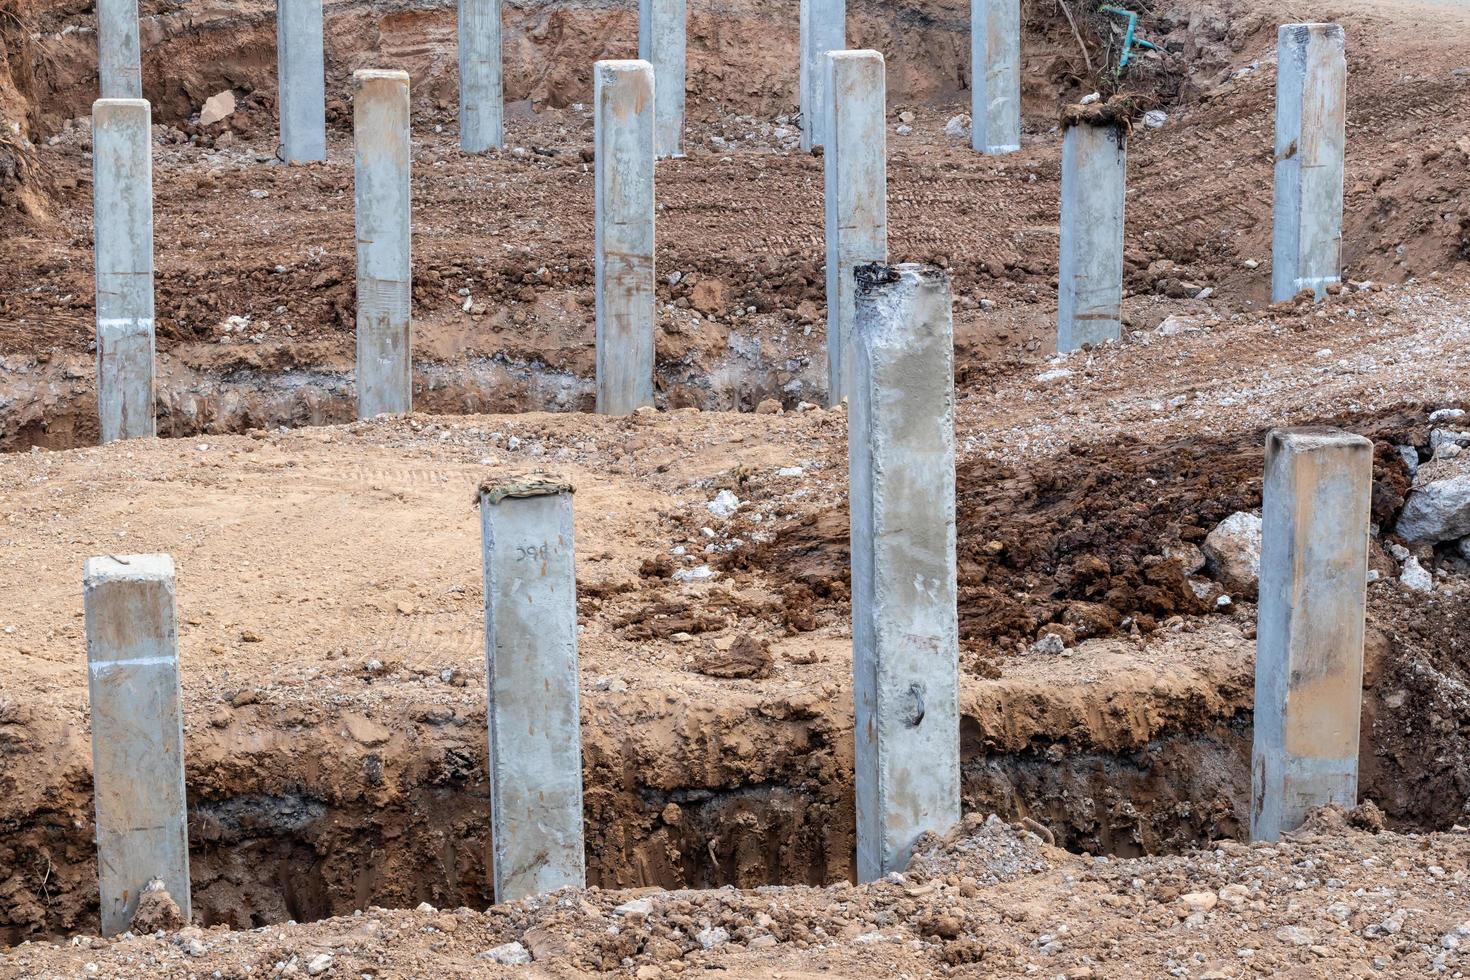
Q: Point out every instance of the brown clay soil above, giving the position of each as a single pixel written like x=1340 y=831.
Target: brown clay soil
x=254 y=261
x=991 y=900
x=330 y=597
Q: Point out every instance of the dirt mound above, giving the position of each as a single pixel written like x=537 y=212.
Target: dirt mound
x=1085 y=543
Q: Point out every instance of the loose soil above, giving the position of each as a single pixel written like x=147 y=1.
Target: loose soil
x=329 y=588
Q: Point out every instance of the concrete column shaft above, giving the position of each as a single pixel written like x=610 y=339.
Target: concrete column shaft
x=623 y=98
x=531 y=665
x=823 y=29
x=904 y=626
x=481 y=95
x=1309 y=636
x=137 y=733
x=856 y=166
x=661 y=40
x=380 y=119
x=1090 y=277
x=119 y=50
x=301 y=87
x=995 y=75
x=1311 y=116
x=122 y=220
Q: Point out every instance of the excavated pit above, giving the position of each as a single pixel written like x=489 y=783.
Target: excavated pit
x=403 y=829
x=313 y=804
x=303 y=813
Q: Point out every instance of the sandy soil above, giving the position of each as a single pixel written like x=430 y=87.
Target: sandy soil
x=329 y=581
x=331 y=639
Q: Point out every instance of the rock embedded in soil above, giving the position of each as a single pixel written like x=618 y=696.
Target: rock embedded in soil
x=1233 y=552
x=509 y=954
x=1415 y=576
x=1438 y=506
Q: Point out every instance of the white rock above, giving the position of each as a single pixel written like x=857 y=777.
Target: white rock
x=790 y=471
x=699 y=573
x=904 y=130
x=709 y=938
x=1233 y=552
x=319 y=964
x=1295 y=935
x=1049 y=644
x=1235 y=895
x=509 y=954
x=1091 y=98
x=1055 y=374
x=958 y=127
x=1445 y=414
x=724 y=504
x=1155 y=118
x=638 y=906
x=1438 y=506
x=1199 y=901
x=1440 y=439
x=1416 y=576
x=1174 y=325
x=217 y=107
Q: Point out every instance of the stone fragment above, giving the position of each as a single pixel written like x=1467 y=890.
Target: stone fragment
x=508 y=954
x=217 y=107
x=1204 y=901
x=1438 y=506
x=1415 y=576
x=724 y=504
x=1233 y=553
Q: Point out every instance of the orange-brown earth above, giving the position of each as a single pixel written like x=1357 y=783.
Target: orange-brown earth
x=329 y=588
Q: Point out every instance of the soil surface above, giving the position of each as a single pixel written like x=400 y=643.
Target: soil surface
x=330 y=596
x=991 y=900
x=254 y=260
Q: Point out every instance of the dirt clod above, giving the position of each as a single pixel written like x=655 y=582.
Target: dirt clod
x=746 y=657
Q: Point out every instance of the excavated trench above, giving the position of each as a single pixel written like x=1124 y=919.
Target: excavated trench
x=301 y=813
x=338 y=826
x=296 y=818
x=54 y=405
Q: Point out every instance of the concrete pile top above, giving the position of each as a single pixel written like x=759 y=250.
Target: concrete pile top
x=493 y=490
x=1117 y=112
x=881 y=273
